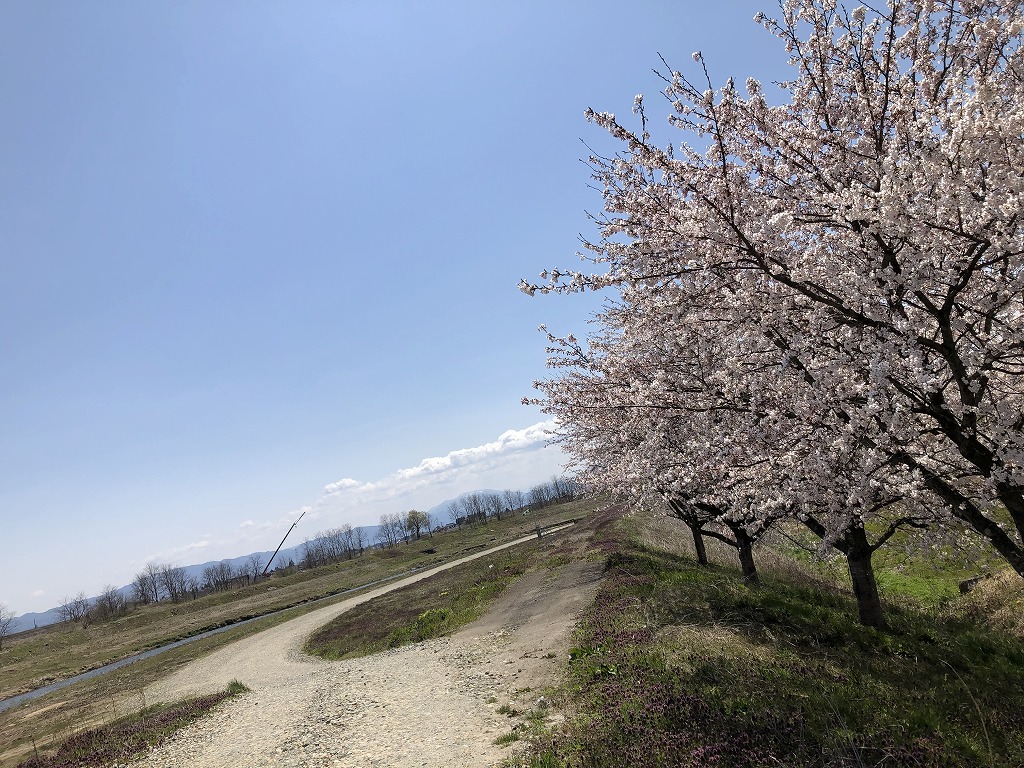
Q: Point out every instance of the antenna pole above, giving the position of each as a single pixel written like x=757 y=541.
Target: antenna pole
x=281 y=545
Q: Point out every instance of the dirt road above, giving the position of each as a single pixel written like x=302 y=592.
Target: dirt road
x=425 y=705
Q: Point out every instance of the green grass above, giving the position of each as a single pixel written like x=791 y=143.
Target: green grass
x=50 y=653
x=32 y=659
x=130 y=736
x=678 y=665
x=430 y=608
x=928 y=590
x=235 y=687
x=442 y=603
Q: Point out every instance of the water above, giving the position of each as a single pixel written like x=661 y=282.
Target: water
x=21 y=698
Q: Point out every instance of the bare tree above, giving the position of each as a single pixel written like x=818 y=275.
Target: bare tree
x=514 y=500
x=556 y=490
x=140 y=594
x=74 y=608
x=455 y=511
x=332 y=546
x=219 y=575
x=314 y=551
x=389 y=530
x=494 y=505
x=349 y=536
x=253 y=566
x=416 y=522
x=110 y=603
x=193 y=585
x=540 y=496
x=174 y=581
x=476 y=507
x=563 y=488
x=344 y=537
x=146 y=586
x=6 y=619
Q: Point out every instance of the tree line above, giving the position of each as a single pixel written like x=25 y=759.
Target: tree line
x=818 y=302
x=484 y=505
x=158 y=582
x=333 y=546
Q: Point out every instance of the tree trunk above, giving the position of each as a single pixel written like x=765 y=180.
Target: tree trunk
x=698 y=544
x=862 y=574
x=744 y=547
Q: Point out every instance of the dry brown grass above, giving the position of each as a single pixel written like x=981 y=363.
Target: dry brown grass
x=662 y=532
x=34 y=658
x=997 y=601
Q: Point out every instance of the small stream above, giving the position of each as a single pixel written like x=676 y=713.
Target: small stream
x=21 y=698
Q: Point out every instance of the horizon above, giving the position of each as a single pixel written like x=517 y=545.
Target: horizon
x=517 y=454
x=252 y=251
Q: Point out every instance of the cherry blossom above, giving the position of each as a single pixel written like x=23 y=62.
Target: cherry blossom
x=819 y=301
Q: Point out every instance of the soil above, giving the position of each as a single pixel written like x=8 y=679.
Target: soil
x=434 y=703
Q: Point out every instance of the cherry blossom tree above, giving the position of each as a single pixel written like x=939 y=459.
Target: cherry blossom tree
x=644 y=409
x=861 y=242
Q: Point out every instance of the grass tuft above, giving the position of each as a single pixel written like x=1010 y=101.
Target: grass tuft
x=506 y=739
x=682 y=665
x=131 y=736
x=426 y=609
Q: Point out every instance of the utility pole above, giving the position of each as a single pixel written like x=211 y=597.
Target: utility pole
x=281 y=545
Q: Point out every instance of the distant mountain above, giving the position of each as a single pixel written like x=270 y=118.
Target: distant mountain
x=29 y=621
x=236 y=563
x=439 y=516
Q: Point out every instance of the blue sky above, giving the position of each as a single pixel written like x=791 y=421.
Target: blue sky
x=251 y=250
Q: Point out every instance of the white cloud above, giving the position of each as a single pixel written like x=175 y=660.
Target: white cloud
x=346 y=482
x=518 y=458
x=39 y=593
x=482 y=455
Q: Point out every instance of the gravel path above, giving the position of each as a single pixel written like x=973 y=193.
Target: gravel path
x=425 y=705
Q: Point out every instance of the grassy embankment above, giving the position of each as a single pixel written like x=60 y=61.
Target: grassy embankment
x=438 y=606
x=682 y=665
x=678 y=665
x=35 y=658
x=130 y=736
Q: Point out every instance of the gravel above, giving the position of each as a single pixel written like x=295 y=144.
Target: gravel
x=429 y=704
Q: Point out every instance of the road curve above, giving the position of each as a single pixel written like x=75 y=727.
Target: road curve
x=275 y=655
x=440 y=703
